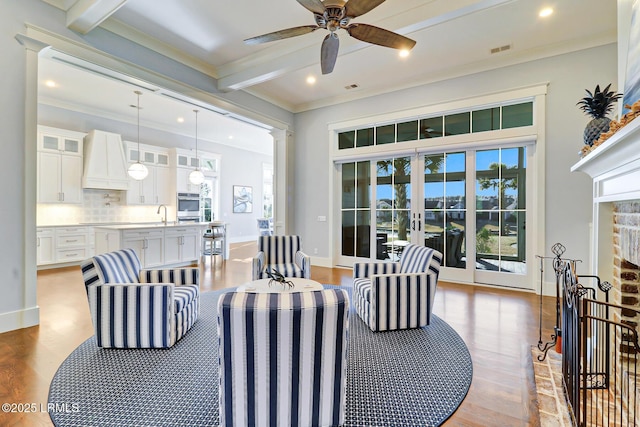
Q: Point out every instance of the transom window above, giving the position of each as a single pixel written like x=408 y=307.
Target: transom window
x=440 y=126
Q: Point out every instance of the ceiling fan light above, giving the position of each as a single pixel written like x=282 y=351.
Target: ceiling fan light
x=403 y=53
x=196 y=177
x=138 y=171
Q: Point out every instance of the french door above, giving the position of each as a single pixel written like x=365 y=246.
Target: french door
x=471 y=205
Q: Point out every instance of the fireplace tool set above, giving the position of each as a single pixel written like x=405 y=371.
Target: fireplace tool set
x=558 y=267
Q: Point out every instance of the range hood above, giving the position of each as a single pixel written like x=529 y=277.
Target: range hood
x=105 y=166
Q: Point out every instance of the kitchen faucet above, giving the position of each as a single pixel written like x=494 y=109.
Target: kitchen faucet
x=164 y=220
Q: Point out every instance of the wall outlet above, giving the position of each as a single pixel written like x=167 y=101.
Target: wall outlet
x=322 y=218
x=315 y=251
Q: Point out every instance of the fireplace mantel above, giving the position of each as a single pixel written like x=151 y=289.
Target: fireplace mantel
x=615 y=165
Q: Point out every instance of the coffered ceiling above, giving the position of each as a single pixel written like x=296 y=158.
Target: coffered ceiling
x=454 y=38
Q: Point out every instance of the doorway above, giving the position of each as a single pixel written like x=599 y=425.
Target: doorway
x=471 y=205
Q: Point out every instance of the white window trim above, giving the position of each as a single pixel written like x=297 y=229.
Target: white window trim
x=502 y=138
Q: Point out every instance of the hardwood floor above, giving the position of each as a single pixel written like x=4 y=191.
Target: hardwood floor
x=498 y=326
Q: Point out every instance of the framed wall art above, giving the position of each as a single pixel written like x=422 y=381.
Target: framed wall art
x=242 y=199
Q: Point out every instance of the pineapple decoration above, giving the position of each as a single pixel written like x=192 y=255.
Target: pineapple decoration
x=597 y=105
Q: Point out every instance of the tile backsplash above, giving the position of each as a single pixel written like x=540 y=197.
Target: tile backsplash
x=99 y=206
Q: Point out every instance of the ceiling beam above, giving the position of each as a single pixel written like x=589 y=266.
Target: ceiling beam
x=85 y=15
x=301 y=52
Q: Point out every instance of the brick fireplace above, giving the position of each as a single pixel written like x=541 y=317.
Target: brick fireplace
x=626 y=258
x=614 y=167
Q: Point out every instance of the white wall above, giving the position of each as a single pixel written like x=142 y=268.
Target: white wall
x=18 y=305
x=568 y=195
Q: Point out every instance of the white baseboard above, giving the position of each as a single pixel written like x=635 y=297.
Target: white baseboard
x=548 y=289
x=19 y=319
x=321 y=261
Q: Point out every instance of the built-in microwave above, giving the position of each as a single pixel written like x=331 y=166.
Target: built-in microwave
x=188 y=207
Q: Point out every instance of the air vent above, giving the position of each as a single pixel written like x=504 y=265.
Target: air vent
x=500 y=48
x=351 y=86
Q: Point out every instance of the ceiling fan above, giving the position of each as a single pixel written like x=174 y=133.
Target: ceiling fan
x=333 y=15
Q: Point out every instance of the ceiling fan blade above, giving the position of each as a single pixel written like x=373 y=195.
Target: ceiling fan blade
x=329 y=53
x=314 y=6
x=282 y=34
x=380 y=36
x=355 y=8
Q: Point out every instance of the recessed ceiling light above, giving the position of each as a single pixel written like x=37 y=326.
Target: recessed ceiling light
x=180 y=119
x=403 y=53
x=311 y=80
x=50 y=83
x=547 y=11
x=230 y=136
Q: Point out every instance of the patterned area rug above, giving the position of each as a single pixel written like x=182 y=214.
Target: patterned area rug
x=402 y=378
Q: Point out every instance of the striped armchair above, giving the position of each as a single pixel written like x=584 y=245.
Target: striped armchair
x=282 y=253
x=397 y=295
x=283 y=358
x=135 y=308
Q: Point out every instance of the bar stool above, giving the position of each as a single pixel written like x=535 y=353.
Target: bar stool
x=265 y=226
x=214 y=240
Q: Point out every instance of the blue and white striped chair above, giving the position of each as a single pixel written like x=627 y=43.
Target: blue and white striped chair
x=283 y=358
x=135 y=308
x=397 y=295
x=282 y=253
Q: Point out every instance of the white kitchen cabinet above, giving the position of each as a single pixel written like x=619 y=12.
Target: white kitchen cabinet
x=148 y=244
x=191 y=245
x=71 y=237
x=72 y=244
x=181 y=244
x=59 y=140
x=106 y=240
x=63 y=244
x=155 y=189
x=49 y=172
x=187 y=160
x=59 y=166
x=156 y=245
x=183 y=185
x=45 y=246
x=59 y=178
x=71 y=178
x=163 y=186
x=141 y=192
x=183 y=162
x=134 y=193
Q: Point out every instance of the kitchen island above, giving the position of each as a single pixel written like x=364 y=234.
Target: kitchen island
x=157 y=244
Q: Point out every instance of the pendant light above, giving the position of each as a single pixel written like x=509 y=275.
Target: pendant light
x=137 y=170
x=196 y=176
